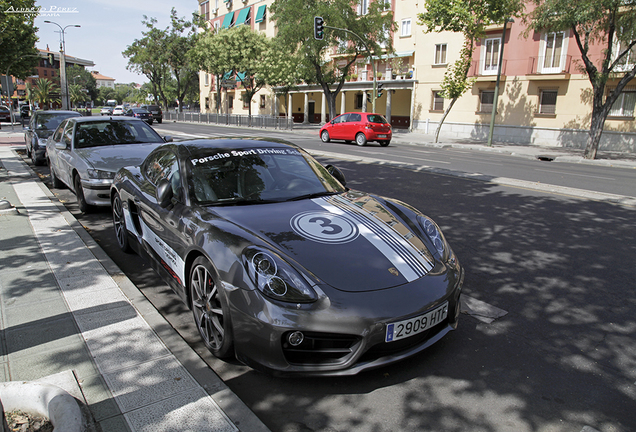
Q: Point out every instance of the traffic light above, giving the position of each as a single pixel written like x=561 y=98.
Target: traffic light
x=368 y=98
x=51 y=59
x=380 y=89
x=319 y=28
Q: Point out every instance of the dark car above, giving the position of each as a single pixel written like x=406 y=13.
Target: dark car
x=25 y=111
x=358 y=127
x=284 y=267
x=156 y=112
x=39 y=129
x=85 y=153
x=140 y=113
x=5 y=114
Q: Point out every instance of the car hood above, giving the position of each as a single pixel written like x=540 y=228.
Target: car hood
x=350 y=241
x=111 y=158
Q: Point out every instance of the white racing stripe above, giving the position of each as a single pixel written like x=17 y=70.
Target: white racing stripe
x=410 y=262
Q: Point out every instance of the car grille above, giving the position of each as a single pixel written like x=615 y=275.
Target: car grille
x=321 y=349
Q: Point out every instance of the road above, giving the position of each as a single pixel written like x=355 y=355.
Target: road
x=563 y=358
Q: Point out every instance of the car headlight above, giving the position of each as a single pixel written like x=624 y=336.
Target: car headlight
x=434 y=233
x=100 y=174
x=276 y=279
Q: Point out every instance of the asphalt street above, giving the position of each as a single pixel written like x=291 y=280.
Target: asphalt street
x=561 y=359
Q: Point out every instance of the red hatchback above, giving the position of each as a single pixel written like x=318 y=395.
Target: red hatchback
x=358 y=127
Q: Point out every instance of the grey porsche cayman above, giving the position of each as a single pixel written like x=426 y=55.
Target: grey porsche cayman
x=282 y=266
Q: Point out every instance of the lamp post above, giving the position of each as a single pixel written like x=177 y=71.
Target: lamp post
x=63 y=84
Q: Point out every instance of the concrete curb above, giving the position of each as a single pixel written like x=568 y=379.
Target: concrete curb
x=46 y=400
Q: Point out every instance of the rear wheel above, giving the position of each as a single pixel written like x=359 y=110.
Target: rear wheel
x=79 y=193
x=324 y=136
x=210 y=310
x=159 y=121
x=55 y=182
x=361 y=139
x=119 y=223
x=385 y=143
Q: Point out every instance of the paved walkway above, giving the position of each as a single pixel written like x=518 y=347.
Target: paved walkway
x=66 y=307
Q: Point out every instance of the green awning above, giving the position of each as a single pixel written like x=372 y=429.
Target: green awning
x=227 y=21
x=240 y=76
x=243 y=16
x=228 y=75
x=260 y=14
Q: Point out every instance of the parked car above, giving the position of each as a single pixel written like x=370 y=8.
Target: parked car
x=157 y=114
x=140 y=113
x=5 y=114
x=118 y=110
x=25 y=111
x=40 y=128
x=358 y=127
x=106 y=111
x=284 y=267
x=85 y=153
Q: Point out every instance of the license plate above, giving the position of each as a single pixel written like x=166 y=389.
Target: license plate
x=410 y=327
x=381 y=136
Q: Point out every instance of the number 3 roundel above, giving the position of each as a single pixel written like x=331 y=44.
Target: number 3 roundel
x=325 y=227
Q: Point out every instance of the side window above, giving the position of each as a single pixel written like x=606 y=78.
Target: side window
x=58 y=133
x=354 y=118
x=341 y=119
x=165 y=165
x=67 y=136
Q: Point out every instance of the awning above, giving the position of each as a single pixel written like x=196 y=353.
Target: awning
x=395 y=54
x=243 y=16
x=227 y=21
x=240 y=76
x=228 y=75
x=260 y=14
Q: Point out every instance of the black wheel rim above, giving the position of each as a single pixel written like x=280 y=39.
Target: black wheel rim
x=119 y=222
x=206 y=305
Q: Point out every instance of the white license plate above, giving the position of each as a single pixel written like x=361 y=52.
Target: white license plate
x=381 y=136
x=403 y=329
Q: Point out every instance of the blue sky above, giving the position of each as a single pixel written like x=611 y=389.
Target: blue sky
x=107 y=28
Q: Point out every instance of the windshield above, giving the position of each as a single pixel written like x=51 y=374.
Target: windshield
x=109 y=132
x=51 y=121
x=258 y=175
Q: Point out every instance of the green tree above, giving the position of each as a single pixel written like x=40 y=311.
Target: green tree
x=295 y=23
x=608 y=23
x=77 y=93
x=17 y=38
x=29 y=94
x=470 y=18
x=104 y=94
x=208 y=55
x=80 y=76
x=285 y=71
x=46 y=92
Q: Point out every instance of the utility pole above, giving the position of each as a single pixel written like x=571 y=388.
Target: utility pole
x=63 y=83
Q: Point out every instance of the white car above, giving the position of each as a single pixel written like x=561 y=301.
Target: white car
x=119 y=110
x=85 y=153
x=106 y=111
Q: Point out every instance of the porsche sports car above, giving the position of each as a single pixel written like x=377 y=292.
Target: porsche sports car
x=282 y=266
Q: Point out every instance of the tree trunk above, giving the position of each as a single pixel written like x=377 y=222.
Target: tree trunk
x=441 y=122
x=594 y=137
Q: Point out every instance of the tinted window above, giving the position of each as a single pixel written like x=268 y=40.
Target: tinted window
x=354 y=117
x=375 y=118
x=164 y=165
x=341 y=119
x=111 y=132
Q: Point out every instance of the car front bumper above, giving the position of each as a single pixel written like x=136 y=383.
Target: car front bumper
x=97 y=191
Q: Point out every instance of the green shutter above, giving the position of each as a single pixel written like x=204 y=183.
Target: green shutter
x=227 y=21
x=260 y=15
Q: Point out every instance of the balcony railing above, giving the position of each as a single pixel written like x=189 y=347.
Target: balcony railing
x=478 y=69
x=539 y=65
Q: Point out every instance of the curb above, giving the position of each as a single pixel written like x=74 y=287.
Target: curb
x=47 y=400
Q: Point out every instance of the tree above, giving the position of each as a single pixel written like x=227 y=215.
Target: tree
x=295 y=23
x=104 y=94
x=77 y=93
x=469 y=17
x=46 y=92
x=285 y=71
x=80 y=76
x=610 y=24
x=207 y=55
x=17 y=38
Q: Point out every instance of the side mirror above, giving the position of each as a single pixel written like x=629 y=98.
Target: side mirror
x=61 y=145
x=337 y=174
x=167 y=138
x=164 y=193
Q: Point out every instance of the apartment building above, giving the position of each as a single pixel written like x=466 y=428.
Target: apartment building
x=544 y=97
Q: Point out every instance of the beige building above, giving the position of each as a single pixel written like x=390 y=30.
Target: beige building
x=103 y=80
x=544 y=99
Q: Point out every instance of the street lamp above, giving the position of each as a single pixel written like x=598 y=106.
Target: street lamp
x=63 y=84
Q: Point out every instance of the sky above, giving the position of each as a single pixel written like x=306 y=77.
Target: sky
x=108 y=27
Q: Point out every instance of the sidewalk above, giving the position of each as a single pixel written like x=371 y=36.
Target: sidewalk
x=69 y=316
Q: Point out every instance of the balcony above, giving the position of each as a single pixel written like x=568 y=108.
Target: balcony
x=486 y=73
x=549 y=67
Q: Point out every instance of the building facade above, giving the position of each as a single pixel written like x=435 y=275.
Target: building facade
x=103 y=80
x=544 y=97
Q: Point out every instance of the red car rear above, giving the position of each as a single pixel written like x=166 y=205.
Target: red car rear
x=358 y=127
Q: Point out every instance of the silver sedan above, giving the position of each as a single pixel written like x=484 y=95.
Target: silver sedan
x=84 y=154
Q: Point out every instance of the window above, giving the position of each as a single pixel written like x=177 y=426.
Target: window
x=205 y=10
x=206 y=79
x=547 y=102
x=553 y=53
x=440 y=54
x=207 y=103
x=246 y=101
x=364 y=74
x=230 y=101
x=624 y=105
x=406 y=28
x=262 y=101
x=438 y=101
x=486 y=100
x=629 y=59
x=359 y=101
x=490 y=56
x=363 y=7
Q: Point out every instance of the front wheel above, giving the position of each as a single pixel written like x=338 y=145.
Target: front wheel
x=361 y=139
x=211 y=313
x=79 y=193
x=119 y=223
x=55 y=182
x=324 y=136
